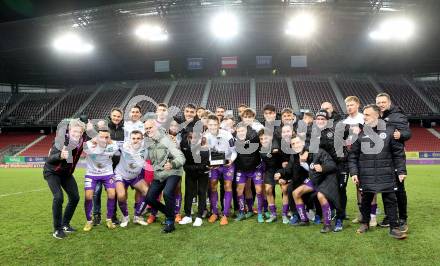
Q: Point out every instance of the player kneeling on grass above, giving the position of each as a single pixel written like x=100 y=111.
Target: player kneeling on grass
x=129 y=172
x=100 y=151
x=290 y=174
x=322 y=180
x=248 y=165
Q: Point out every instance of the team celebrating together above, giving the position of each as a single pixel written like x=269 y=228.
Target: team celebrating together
x=310 y=156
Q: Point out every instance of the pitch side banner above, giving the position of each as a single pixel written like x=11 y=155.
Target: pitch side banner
x=22 y=165
x=35 y=159
x=162 y=66
x=14 y=159
x=24 y=159
x=194 y=63
x=229 y=61
x=298 y=61
x=263 y=61
x=430 y=155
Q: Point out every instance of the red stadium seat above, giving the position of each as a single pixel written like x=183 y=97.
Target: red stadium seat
x=422 y=140
x=41 y=148
x=17 y=138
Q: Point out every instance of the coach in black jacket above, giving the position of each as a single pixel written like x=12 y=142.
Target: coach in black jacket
x=372 y=160
x=393 y=115
x=58 y=170
x=116 y=127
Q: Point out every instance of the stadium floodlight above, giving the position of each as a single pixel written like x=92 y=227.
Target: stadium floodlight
x=397 y=29
x=72 y=43
x=224 y=26
x=301 y=26
x=154 y=33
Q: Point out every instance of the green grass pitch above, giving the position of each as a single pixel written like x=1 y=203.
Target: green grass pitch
x=26 y=227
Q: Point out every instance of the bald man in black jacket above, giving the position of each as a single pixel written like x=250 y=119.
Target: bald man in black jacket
x=372 y=161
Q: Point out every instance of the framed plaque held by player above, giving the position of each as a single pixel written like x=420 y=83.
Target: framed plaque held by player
x=216 y=158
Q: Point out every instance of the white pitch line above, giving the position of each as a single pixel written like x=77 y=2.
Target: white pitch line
x=21 y=192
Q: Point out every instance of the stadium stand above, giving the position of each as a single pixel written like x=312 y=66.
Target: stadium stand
x=229 y=93
x=188 y=91
x=68 y=106
x=311 y=91
x=104 y=101
x=403 y=95
x=155 y=90
x=17 y=138
x=41 y=148
x=422 y=140
x=33 y=106
x=431 y=88
x=11 y=102
x=4 y=99
x=273 y=91
x=358 y=86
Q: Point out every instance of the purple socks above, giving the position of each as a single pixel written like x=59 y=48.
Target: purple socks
x=227 y=203
x=273 y=210
x=88 y=205
x=326 y=213
x=302 y=212
x=178 y=203
x=123 y=207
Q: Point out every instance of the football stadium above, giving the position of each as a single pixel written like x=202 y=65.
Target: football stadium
x=208 y=132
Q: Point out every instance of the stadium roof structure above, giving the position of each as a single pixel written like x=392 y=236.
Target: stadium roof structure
x=342 y=43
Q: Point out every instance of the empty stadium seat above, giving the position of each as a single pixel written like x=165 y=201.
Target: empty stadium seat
x=17 y=138
x=272 y=91
x=33 y=107
x=311 y=92
x=422 y=140
x=229 y=93
x=357 y=86
x=155 y=90
x=431 y=88
x=4 y=99
x=69 y=105
x=403 y=96
x=104 y=101
x=41 y=148
x=188 y=91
